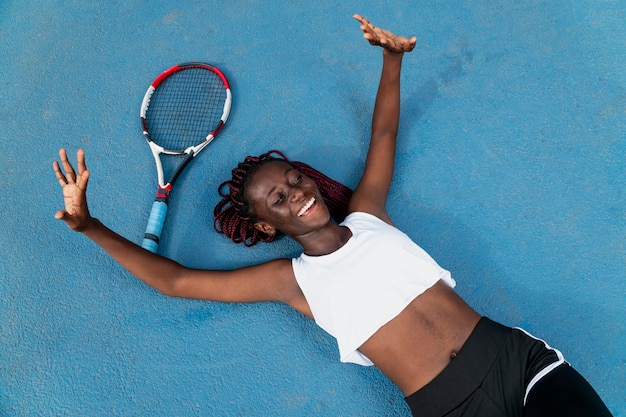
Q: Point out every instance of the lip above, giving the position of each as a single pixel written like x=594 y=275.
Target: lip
x=306 y=209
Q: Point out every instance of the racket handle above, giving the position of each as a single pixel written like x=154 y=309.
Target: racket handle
x=155 y=226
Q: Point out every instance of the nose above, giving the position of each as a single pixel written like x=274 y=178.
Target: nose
x=296 y=194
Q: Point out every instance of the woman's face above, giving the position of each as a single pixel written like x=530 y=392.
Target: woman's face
x=284 y=199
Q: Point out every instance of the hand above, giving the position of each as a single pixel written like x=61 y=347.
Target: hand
x=384 y=38
x=76 y=213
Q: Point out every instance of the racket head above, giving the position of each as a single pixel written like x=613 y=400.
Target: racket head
x=186 y=107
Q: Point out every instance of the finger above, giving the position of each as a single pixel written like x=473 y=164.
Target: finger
x=364 y=21
x=70 y=175
x=411 y=44
x=80 y=157
x=82 y=180
x=365 y=24
x=60 y=177
x=372 y=40
x=62 y=154
x=372 y=37
x=65 y=216
x=368 y=26
x=360 y=18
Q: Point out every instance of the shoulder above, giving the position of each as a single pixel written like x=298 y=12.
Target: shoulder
x=355 y=217
x=290 y=291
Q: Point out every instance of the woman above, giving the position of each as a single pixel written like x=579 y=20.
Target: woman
x=401 y=315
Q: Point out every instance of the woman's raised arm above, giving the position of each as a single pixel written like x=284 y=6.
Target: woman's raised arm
x=370 y=195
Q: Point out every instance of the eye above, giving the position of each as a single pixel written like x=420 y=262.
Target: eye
x=297 y=179
x=280 y=199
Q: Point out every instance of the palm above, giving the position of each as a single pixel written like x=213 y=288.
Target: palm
x=390 y=41
x=71 y=199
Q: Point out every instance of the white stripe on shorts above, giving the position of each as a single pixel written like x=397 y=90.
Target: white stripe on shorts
x=545 y=371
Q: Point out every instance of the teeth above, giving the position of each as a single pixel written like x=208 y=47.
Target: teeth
x=306 y=206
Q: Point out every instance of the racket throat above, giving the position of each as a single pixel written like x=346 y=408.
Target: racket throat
x=163 y=193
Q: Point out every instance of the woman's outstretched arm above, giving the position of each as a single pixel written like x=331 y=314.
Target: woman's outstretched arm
x=271 y=281
x=370 y=195
x=156 y=271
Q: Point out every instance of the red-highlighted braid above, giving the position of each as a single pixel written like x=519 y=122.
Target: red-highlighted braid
x=233 y=217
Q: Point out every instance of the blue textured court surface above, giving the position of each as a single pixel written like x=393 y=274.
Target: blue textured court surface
x=510 y=173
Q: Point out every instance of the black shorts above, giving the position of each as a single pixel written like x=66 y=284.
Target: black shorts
x=493 y=375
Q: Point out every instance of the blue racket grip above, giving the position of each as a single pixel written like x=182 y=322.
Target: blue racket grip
x=155 y=226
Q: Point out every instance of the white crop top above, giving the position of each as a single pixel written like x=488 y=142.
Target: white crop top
x=367 y=282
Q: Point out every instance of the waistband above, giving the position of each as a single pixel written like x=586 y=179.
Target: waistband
x=466 y=371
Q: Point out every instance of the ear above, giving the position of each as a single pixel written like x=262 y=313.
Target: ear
x=265 y=228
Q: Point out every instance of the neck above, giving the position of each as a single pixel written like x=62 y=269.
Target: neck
x=324 y=241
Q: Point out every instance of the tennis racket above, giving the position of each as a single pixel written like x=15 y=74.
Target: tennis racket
x=184 y=109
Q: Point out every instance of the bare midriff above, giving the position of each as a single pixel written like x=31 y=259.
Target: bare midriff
x=415 y=346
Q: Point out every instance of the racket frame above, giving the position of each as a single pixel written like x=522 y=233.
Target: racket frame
x=158 y=212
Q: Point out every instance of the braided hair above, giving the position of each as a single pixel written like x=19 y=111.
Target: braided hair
x=233 y=216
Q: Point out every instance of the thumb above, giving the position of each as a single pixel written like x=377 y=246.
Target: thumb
x=69 y=220
x=62 y=215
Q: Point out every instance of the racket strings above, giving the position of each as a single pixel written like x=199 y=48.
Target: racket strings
x=185 y=108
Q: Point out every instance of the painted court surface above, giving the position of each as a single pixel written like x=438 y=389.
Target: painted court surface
x=510 y=172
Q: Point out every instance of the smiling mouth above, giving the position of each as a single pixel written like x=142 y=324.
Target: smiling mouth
x=306 y=207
